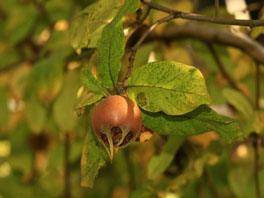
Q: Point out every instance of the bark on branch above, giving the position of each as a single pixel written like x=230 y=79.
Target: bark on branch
x=212 y=34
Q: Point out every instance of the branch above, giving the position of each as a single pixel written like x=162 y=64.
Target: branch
x=215 y=35
x=140 y=41
x=255 y=142
x=197 y=17
x=217 y=8
x=67 y=186
x=257 y=85
x=225 y=73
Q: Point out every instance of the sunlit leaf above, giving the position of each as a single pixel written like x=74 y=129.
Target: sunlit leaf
x=92 y=83
x=171 y=87
x=87 y=27
x=111 y=46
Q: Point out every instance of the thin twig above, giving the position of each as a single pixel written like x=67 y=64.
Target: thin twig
x=224 y=72
x=257 y=85
x=197 y=17
x=67 y=185
x=256 y=136
x=142 y=19
x=140 y=41
x=217 y=8
x=255 y=139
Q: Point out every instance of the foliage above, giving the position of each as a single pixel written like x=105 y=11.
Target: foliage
x=60 y=59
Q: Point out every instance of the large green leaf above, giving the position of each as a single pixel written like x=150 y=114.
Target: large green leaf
x=4 y=112
x=161 y=162
x=94 y=156
x=239 y=101
x=111 y=46
x=167 y=86
x=201 y=120
x=87 y=27
x=66 y=101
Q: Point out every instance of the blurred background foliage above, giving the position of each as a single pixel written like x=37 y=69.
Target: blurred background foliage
x=40 y=87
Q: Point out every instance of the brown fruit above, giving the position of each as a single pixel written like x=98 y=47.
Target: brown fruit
x=116 y=121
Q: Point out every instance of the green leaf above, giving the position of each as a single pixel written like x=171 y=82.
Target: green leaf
x=4 y=112
x=36 y=115
x=111 y=46
x=46 y=77
x=20 y=22
x=88 y=99
x=161 y=162
x=92 y=83
x=8 y=57
x=239 y=101
x=87 y=27
x=253 y=124
x=65 y=102
x=167 y=86
x=145 y=190
x=201 y=120
x=94 y=156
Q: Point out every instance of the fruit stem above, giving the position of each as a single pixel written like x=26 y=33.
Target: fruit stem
x=110 y=150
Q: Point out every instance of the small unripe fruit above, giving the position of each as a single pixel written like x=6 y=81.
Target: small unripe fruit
x=116 y=121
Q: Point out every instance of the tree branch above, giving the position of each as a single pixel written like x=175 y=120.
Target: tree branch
x=140 y=41
x=225 y=73
x=255 y=142
x=257 y=85
x=217 y=8
x=212 y=34
x=197 y=17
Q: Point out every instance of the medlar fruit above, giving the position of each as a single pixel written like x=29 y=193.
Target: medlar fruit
x=116 y=122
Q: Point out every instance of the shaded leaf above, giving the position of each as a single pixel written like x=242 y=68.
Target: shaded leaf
x=4 y=111
x=46 y=77
x=111 y=46
x=65 y=102
x=36 y=114
x=161 y=162
x=202 y=119
x=19 y=24
x=87 y=27
x=144 y=190
x=94 y=156
x=167 y=86
x=239 y=101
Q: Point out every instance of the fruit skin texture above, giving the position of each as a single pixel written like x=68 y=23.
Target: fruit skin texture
x=116 y=121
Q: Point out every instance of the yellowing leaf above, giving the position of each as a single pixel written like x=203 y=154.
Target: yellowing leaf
x=167 y=86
